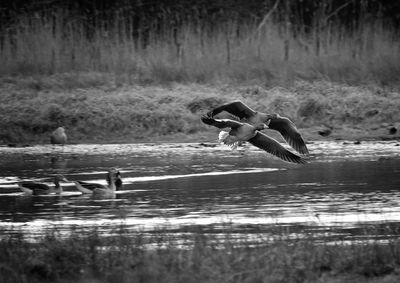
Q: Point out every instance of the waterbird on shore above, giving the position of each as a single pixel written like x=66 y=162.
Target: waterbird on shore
x=58 y=136
x=276 y=122
x=240 y=132
x=36 y=188
x=114 y=182
x=326 y=131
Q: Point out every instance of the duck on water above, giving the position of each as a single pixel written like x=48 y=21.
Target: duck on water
x=114 y=182
x=36 y=188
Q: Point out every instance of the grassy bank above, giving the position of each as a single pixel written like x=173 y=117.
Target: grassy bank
x=96 y=107
x=86 y=257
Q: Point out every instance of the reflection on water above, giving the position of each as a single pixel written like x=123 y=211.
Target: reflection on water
x=181 y=186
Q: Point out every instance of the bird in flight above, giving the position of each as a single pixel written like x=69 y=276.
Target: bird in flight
x=276 y=122
x=240 y=132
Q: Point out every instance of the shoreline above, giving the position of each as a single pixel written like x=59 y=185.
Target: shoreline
x=211 y=138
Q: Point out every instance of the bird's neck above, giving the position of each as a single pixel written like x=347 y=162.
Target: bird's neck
x=112 y=184
x=111 y=181
x=57 y=187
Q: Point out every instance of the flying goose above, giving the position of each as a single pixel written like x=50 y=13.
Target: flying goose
x=240 y=131
x=35 y=188
x=276 y=122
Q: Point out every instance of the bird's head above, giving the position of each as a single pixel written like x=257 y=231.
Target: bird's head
x=261 y=126
x=112 y=175
x=269 y=117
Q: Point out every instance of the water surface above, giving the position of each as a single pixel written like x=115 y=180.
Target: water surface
x=180 y=187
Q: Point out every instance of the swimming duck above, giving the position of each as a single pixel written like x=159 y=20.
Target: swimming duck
x=35 y=188
x=240 y=132
x=276 y=122
x=58 y=136
x=114 y=182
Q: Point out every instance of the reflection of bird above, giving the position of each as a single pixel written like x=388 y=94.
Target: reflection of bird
x=245 y=132
x=35 y=188
x=58 y=136
x=281 y=124
x=58 y=162
x=114 y=182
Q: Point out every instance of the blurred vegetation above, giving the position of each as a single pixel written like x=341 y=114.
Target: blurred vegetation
x=272 y=42
x=198 y=256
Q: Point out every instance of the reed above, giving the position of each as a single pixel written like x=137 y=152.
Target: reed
x=233 y=50
x=202 y=256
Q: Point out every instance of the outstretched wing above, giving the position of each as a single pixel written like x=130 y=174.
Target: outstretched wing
x=221 y=123
x=289 y=132
x=236 y=108
x=272 y=146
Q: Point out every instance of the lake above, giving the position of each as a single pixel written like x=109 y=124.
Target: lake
x=182 y=187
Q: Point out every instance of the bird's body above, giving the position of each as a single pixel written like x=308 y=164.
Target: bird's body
x=240 y=132
x=114 y=182
x=87 y=187
x=36 y=188
x=58 y=136
x=274 y=121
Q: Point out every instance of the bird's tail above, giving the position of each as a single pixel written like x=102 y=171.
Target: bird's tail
x=227 y=139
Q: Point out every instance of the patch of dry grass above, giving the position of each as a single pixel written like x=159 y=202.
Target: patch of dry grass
x=100 y=110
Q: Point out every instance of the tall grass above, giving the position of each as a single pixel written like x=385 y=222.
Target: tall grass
x=57 y=42
x=86 y=256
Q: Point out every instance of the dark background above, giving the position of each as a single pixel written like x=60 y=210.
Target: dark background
x=143 y=15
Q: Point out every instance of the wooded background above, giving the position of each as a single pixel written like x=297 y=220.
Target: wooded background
x=204 y=40
x=144 y=15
